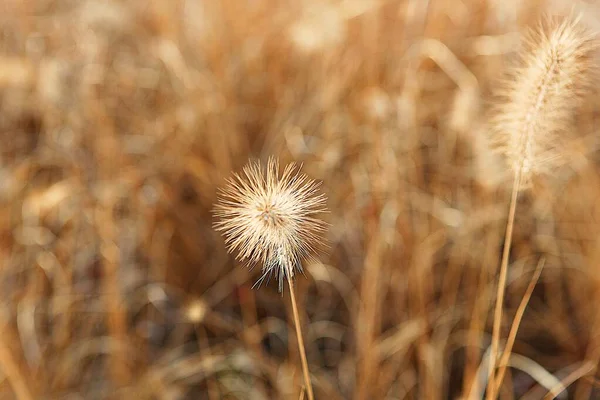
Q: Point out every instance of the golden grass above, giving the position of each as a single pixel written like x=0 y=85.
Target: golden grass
x=532 y=125
x=120 y=120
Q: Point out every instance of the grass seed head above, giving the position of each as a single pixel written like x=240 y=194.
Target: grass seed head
x=271 y=219
x=540 y=95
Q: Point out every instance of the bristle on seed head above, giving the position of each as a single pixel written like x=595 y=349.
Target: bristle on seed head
x=271 y=219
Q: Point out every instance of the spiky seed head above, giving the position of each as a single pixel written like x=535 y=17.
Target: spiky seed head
x=540 y=95
x=270 y=218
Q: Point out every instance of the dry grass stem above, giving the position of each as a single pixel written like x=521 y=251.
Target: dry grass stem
x=121 y=236
x=13 y=373
x=540 y=99
x=583 y=370
x=301 y=349
x=504 y=358
x=501 y=286
x=271 y=220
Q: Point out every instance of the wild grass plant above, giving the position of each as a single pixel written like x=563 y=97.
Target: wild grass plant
x=455 y=141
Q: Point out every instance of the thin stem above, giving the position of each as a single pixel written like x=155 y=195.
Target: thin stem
x=309 y=389
x=504 y=359
x=9 y=366
x=502 y=284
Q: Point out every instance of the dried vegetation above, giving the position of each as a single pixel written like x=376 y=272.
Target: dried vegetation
x=120 y=119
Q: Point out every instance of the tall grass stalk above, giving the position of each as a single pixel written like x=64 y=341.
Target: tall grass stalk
x=532 y=125
x=502 y=283
x=300 y=338
x=270 y=219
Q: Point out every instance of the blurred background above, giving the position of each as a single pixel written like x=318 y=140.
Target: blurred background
x=120 y=119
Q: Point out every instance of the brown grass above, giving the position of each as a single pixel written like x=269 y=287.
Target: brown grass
x=532 y=125
x=121 y=119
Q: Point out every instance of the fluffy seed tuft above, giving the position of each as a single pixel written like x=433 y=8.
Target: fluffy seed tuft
x=540 y=95
x=270 y=219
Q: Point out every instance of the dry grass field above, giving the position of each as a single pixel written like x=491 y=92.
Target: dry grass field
x=121 y=120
